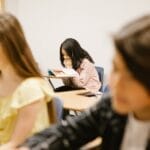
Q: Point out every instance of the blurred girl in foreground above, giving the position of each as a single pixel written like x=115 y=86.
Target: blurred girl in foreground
x=23 y=93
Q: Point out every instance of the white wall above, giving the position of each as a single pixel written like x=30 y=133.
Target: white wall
x=48 y=22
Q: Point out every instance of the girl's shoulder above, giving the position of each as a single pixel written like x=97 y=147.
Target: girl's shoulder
x=85 y=60
x=32 y=82
x=86 y=63
x=31 y=90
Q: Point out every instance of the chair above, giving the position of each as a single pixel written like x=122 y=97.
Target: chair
x=59 y=108
x=100 y=71
x=52 y=112
x=105 y=88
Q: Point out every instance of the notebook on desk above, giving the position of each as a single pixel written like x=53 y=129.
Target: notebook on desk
x=63 y=72
x=58 y=85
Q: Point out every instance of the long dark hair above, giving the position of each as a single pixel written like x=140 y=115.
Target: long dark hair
x=16 y=47
x=75 y=52
x=133 y=43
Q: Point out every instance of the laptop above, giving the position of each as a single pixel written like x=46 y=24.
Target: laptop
x=58 y=85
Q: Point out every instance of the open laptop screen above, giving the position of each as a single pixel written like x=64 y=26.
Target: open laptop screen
x=58 y=85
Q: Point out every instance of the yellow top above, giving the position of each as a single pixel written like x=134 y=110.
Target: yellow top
x=29 y=91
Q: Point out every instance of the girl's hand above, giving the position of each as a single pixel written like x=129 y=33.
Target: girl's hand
x=68 y=63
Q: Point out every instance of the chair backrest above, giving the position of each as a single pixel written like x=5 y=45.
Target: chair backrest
x=100 y=71
x=59 y=108
x=105 y=88
x=52 y=112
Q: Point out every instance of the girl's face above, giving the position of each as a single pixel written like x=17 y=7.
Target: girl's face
x=67 y=60
x=128 y=94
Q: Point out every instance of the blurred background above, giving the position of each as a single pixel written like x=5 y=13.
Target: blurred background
x=92 y=22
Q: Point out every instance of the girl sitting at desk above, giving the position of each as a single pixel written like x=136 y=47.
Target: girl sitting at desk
x=72 y=55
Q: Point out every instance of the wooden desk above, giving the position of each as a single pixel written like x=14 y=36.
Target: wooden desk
x=73 y=101
x=93 y=145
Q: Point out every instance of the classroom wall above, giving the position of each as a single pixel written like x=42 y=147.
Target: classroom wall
x=92 y=22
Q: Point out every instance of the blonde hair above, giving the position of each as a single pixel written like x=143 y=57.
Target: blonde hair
x=16 y=47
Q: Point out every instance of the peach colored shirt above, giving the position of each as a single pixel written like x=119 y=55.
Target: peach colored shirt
x=87 y=78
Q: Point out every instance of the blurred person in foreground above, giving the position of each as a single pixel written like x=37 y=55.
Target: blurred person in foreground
x=23 y=92
x=122 y=118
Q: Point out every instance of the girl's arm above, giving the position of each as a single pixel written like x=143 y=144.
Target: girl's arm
x=24 y=124
x=84 y=74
